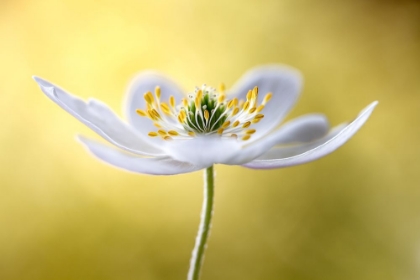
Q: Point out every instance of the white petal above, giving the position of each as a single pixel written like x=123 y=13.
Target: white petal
x=304 y=129
x=204 y=150
x=100 y=118
x=133 y=163
x=289 y=156
x=142 y=83
x=283 y=82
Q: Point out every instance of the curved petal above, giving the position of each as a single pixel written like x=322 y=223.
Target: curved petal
x=204 y=150
x=304 y=129
x=142 y=83
x=282 y=81
x=133 y=163
x=99 y=118
x=289 y=156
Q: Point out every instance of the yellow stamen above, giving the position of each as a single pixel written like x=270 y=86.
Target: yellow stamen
x=172 y=101
x=221 y=98
x=191 y=133
x=231 y=103
x=206 y=115
x=222 y=87
x=226 y=124
x=220 y=130
x=252 y=110
x=250 y=131
x=199 y=94
x=153 y=134
x=245 y=106
x=235 y=111
x=162 y=132
x=173 y=133
x=157 y=92
x=157 y=115
x=260 y=108
x=255 y=120
x=157 y=125
x=198 y=98
x=246 y=137
x=247 y=124
x=236 y=123
x=267 y=98
x=249 y=95
x=151 y=115
x=185 y=102
x=141 y=113
x=167 y=138
x=165 y=108
x=235 y=101
x=148 y=96
x=259 y=116
x=255 y=93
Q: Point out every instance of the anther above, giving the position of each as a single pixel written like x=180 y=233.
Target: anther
x=172 y=101
x=247 y=124
x=153 y=134
x=235 y=111
x=226 y=124
x=245 y=106
x=267 y=98
x=252 y=110
x=165 y=108
x=230 y=103
x=191 y=133
x=221 y=98
x=148 y=97
x=141 y=113
x=222 y=87
x=156 y=114
x=162 y=132
x=248 y=95
x=260 y=108
x=220 y=131
x=246 y=137
x=185 y=102
x=167 y=138
x=199 y=94
x=250 y=131
x=173 y=133
x=236 y=123
x=157 y=92
x=206 y=115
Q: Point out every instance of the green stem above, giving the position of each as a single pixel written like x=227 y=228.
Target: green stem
x=205 y=224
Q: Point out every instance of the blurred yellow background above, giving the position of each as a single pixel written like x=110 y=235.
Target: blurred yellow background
x=352 y=215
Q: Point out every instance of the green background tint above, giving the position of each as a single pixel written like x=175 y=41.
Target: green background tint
x=352 y=215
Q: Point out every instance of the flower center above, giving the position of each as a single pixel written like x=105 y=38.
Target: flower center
x=204 y=112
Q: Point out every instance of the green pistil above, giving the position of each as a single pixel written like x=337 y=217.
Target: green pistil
x=195 y=122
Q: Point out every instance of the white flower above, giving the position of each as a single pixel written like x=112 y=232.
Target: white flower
x=171 y=133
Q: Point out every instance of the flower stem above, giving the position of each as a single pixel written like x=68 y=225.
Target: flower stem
x=205 y=224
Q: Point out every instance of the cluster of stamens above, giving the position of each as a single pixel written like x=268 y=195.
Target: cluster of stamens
x=204 y=112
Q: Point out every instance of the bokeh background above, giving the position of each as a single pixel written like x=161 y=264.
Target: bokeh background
x=354 y=214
